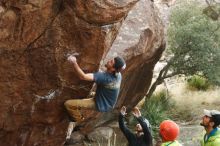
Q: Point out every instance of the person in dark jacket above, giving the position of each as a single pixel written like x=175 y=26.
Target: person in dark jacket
x=142 y=136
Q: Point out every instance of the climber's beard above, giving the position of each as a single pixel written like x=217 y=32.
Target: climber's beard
x=205 y=125
x=201 y=124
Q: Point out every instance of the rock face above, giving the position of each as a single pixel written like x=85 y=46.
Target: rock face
x=35 y=79
x=141 y=42
x=101 y=134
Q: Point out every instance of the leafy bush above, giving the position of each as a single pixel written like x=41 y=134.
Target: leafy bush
x=155 y=110
x=198 y=83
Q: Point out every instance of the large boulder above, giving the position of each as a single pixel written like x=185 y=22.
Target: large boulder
x=99 y=134
x=35 y=79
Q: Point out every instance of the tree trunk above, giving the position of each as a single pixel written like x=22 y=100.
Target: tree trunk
x=153 y=87
x=160 y=79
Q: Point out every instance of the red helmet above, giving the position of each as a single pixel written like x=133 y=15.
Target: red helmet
x=169 y=130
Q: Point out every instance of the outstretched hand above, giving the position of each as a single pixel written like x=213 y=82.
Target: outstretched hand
x=136 y=112
x=72 y=59
x=123 y=111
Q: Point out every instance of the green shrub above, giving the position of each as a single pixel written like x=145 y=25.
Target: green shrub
x=198 y=83
x=155 y=110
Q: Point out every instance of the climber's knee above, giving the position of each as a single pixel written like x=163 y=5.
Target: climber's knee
x=71 y=104
x=66 y=103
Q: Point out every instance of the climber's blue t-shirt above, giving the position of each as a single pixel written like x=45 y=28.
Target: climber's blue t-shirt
x=108 y=86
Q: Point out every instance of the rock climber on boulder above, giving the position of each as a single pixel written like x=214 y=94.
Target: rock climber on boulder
x=107 y=91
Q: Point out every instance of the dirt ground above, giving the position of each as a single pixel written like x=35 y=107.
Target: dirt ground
x=190 y=135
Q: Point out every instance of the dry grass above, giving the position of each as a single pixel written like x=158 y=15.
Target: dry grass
x=190 y=104
x=198 y=99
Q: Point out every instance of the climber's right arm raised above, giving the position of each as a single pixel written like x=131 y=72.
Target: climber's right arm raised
x=82 y=75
